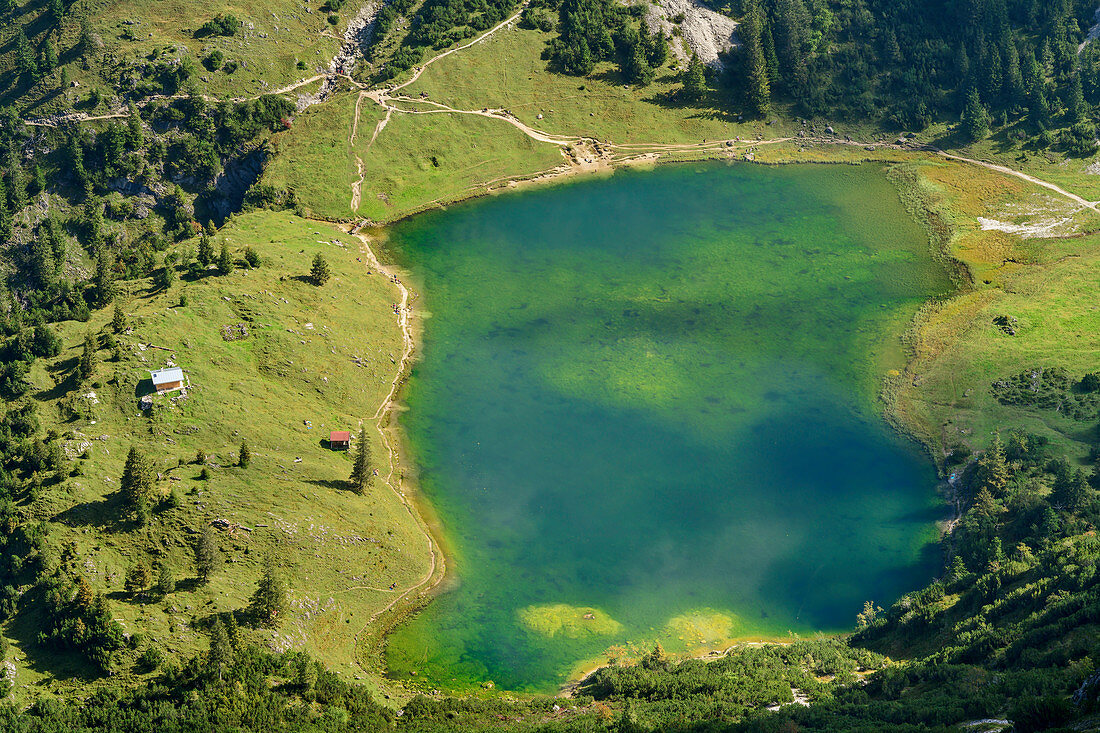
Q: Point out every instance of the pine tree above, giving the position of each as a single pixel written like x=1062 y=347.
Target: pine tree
x=208 y=557
x=1076 y=109
x=118 y=319
x=24 y=55
x=319 y=272
x=360 y=471
x=56 y=10
x=166 y=582
x=758 y=90
x=137 y=578
x=244 y=457
x=232 y=631
x=88 y=359
x=137 y=480
x=269 y=600
x=49 y=57
x=225 y=262
x=220 y=654
x=637 y=67
x=992 y=472
x=84 y=595
x=104 y=277
x=1070 y=489
x=206 y=250
x=975 y=118
x=695 y=79
x=986 y=506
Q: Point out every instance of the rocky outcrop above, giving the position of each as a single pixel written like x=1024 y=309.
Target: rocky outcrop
x=702 y=30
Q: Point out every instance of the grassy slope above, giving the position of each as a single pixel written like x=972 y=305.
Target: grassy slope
x=315 y=160
x=506 y=71
x=419 y=160
x=958 y=350
x=340 y=552
x=267 y=57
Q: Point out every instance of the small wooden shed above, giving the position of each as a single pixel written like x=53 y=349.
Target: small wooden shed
x=166 y=380
x=339 y=440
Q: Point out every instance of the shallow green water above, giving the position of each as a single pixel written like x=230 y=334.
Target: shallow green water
x=649 y=400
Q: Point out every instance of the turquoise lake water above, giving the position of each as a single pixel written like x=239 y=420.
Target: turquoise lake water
x=645 y=411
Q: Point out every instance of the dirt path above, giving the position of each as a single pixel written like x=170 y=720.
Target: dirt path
x=392 y=480
x=420 y=69
x=1024 y=176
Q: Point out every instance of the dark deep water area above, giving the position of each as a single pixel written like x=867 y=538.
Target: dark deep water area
x=646 y=411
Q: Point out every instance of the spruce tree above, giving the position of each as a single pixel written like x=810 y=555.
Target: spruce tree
x=225 y=262
x=220 y=654
x=1070 y=489
x=695 y=79
x=269 y=600
x=360 y=471
x=208 y=557
x=758 y=89
x=118 y=319
x=137 y=480
x=319 y=271
x=24 y=55
x=104 y=277
x=88 y=359
x=166 y=582
x=205 y=254
x=244 y=457
x=992 y=472
x=975 y=118
x=137 y=578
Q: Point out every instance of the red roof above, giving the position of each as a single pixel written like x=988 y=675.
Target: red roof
x=339 y=436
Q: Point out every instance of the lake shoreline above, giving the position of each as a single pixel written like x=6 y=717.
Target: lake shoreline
x=407 y=606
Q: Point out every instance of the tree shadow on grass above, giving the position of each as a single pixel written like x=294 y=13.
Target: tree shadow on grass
x=711 y=107
x=334 y=485
x=68 y=380
x=107 y=514
x=55 y=664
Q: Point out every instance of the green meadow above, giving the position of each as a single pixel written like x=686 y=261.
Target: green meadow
x=314 y=359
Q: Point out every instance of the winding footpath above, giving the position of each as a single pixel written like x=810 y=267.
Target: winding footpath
x=381 y=418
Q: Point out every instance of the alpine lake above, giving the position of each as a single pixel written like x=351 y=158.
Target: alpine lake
x=646 y=410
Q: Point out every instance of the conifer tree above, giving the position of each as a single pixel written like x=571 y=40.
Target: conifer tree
x=1076 y=109
x=319 y=271
x=695 y=79
x=104 y=277
x=269 y=600
x=758 y=90
x=992 y=472
x=84 y=595
x=220 y=654
x=1070 y=489
x=137 y=480
x=137 y=578
x=205 y=254
x=244 y=457
x=24 y=55
x=118 y=319
x=975 y=118
x=360 y=471
x=225 y=262
x=166 y=582
x=208 y=557
x=232 y=631
x=88 y=359
x=48 y=61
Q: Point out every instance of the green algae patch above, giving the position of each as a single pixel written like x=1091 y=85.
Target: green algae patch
x=701 y=627
x=572 y=622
